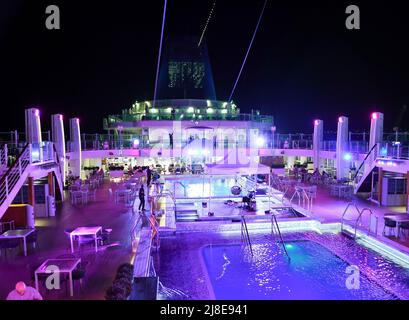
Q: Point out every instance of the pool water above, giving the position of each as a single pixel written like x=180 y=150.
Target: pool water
x=197 y=188
x=312 y=273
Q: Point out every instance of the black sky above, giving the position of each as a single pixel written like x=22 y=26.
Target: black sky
x=304 y=63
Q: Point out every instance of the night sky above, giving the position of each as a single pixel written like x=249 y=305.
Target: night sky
x=304 y=63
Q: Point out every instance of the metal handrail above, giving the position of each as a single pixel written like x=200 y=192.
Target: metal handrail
x=133 y=230
x=274 y=224
x=359 y=218
x=363 y=161
x=245 y=233
x=13 y=174
x=360 y=213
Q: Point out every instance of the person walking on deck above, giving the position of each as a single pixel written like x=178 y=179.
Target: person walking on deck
x=142 y=198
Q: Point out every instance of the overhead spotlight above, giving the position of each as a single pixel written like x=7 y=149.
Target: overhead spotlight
x=260 y=141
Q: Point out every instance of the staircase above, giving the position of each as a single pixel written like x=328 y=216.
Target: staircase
x=362 y=178
x=12 y=178
x=186 y=212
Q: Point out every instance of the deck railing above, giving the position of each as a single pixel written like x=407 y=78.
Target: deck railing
x=13 y=174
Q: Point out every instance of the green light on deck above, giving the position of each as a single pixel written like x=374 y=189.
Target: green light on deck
x=289 y=246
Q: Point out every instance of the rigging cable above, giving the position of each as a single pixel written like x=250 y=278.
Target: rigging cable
x=160 y=52
x=207 y=23
x=248 y=50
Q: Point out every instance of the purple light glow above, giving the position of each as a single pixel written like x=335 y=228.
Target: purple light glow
x=340 y=120
x=37 y=112
x=316 y=122
x=374 y=115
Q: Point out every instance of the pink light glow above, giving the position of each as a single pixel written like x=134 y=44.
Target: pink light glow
x=340 y=120
x=37 y=112
x=77 y=120
x=61 y=117
x=316 y=122
x=374 y=115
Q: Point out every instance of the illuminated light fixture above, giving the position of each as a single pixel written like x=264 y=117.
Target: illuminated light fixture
x=37 y=112
x=148 y=103
x=340 y=120
x=169 y=110
x=190 y=110
x=193 y=152
x=181 y=116
x=209 y=103
x=200 y=116
x=224 y=104
x=347 y=157
x=61 y=117
x=224 y=111
x=77 y=120
x=316 y=122
x=374 y=115
x=209 y=110
x=136 y=143
x=35 y=154
x=153 y=110
x=381 y=163
x=260 y=141
x=383 y=151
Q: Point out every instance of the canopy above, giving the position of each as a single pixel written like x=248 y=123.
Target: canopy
x=234 y=169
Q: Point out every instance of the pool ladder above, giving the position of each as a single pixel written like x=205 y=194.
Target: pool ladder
x=356 y=222
x=275 y=231
x=245 y=237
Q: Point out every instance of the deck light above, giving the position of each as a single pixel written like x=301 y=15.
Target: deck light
x=347 y=157
x=260 y=141
x=190 y=110
x=136 y=143
x=209 y=110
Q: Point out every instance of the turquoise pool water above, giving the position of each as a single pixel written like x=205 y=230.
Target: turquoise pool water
x=313 y=272
x=195 y=188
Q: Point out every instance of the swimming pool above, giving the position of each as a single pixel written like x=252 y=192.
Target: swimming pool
x=199 y=187
x=217 y=266
x=313 y=272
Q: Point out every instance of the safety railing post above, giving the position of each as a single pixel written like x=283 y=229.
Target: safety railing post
x=7 y=187
x=30 y=150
